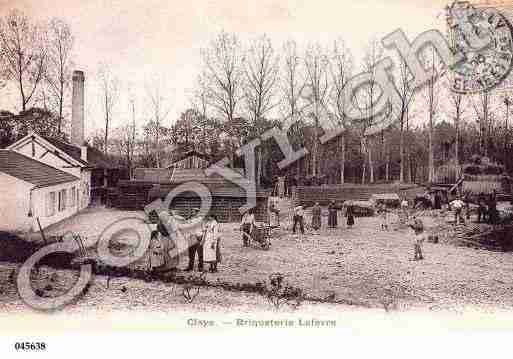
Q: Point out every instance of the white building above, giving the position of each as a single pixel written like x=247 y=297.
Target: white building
x=31 y=190
x=44 y=151
x=70 y=169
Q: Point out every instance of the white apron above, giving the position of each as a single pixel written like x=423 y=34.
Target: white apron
x=210 y=242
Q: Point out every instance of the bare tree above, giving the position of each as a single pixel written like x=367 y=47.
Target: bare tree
x=293 y=83
x=58 y=73
x=109 y=87
x=261 y=67
x=456 y=102
x=131 y=140
x=126 y=140
x=483 y=106
x=366 y=99
x=159 y=110
x=292 y=86
x=341 y=67
x=23 y=54
x=406 y=95
x=200 y=99
x=200 y=105
x=261 y=70
x=224 y=77
x=432 y=95
x=318 y=85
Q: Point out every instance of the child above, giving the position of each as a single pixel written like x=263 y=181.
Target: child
x=382 y=210
x=418 y=228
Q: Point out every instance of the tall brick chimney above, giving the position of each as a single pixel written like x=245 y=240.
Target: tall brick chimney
x=77 y=109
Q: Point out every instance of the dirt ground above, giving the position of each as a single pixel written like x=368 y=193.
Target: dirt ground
x=363 y=265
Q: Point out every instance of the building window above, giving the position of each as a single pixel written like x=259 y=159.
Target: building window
x=50 y=204
x=62 y=200
x=73 y=197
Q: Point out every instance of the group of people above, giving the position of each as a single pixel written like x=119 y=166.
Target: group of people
x=486 y=208
x=415 y=224
x=202 y=240
x=299 y=217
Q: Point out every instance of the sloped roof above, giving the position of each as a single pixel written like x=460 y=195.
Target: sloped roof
x=154 y=175
x=170 y=178
x=95 y=158
x=180 y=155
x=181 y=175
x=226 y=189
x=29 y=170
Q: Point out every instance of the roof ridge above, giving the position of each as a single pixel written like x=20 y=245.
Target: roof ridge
x=39 y=162
x=33 y=171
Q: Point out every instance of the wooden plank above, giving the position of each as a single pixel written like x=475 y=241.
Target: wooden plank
x=41 y=230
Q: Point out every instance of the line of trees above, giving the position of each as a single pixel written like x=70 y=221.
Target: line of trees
x=244 y=89
x=302 y=92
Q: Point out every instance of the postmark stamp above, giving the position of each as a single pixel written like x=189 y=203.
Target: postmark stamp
x=485 y=69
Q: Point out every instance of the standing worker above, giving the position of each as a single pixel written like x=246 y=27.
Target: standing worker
x=210 y=242
x=457 y=205
x=156 y=257
x=281 y=186
x=404 y=210
x=274 y=210
x=195 y=246
x=299 y=219
x=332 y=215
x=492 y=208
x=481 y=210
x=350 y=216
x=418 y=239
x=316 y=217
x=167 y=233
x=438 y=200
x=247 y=225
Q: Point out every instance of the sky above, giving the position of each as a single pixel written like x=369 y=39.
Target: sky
x=144 y=40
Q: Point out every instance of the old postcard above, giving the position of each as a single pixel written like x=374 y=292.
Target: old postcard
x=273 y=169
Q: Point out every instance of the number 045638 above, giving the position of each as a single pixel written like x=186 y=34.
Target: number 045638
x=30 y=346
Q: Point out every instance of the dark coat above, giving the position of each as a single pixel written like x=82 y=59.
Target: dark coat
x=332 y=216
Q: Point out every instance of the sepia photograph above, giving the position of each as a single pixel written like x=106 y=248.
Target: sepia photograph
x=276 y=169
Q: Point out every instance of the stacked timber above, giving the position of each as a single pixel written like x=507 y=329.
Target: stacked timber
x=226 y=199
x=477 y=235
x=307 y=196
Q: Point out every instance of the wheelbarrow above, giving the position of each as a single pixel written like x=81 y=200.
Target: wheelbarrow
x=260 y=236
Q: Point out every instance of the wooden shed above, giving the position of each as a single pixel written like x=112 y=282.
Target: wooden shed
x=227 y=197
